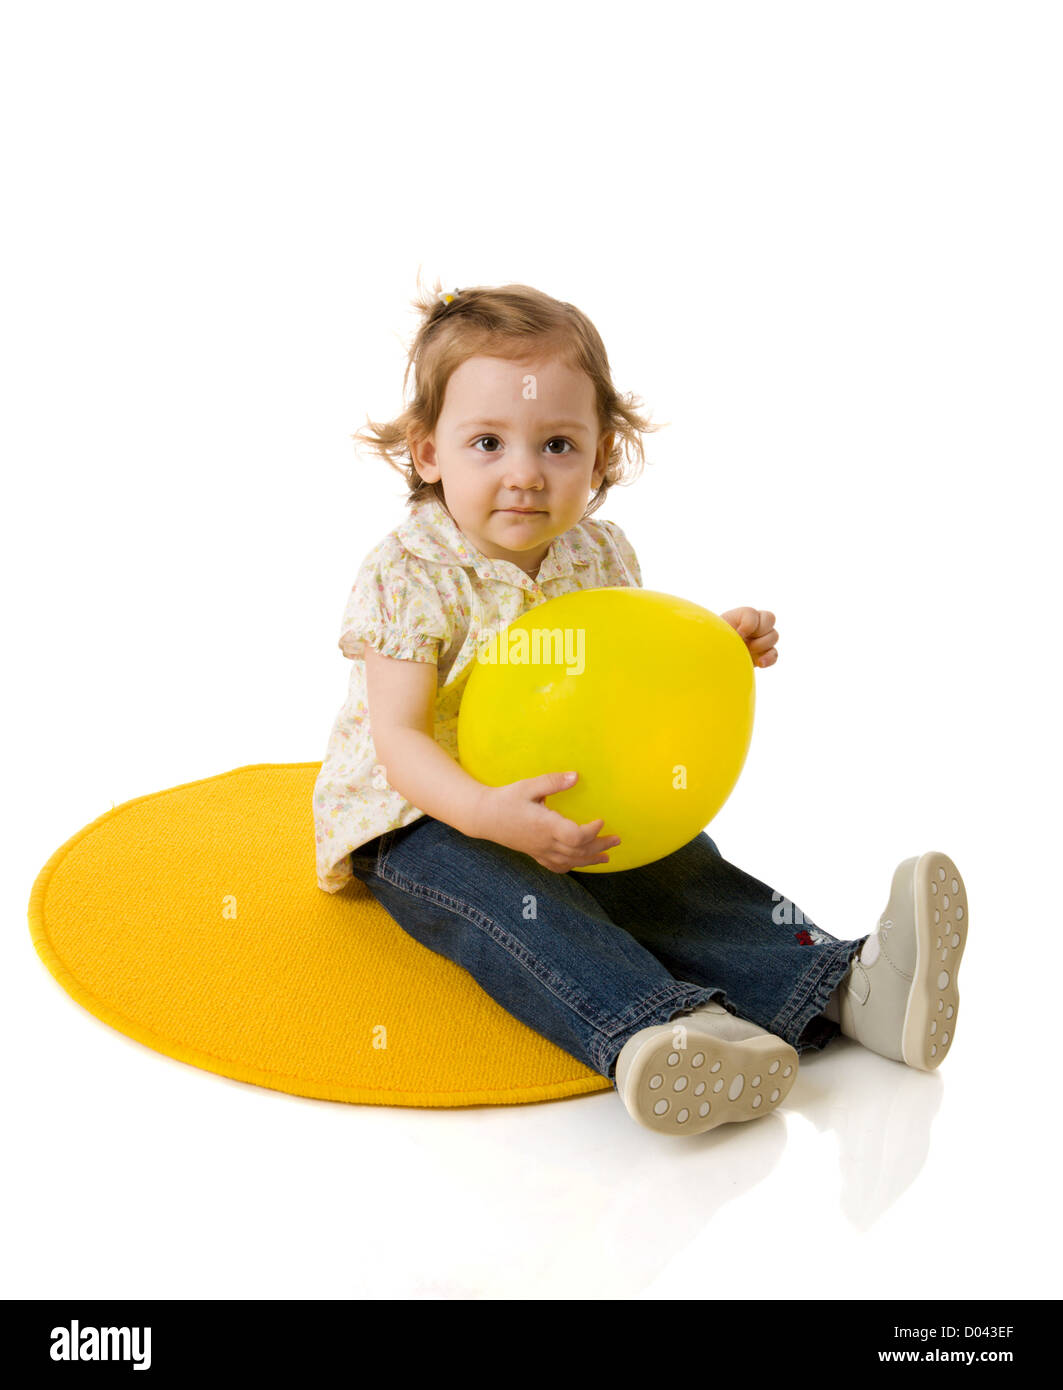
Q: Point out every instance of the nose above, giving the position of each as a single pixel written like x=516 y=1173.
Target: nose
x=523 y=472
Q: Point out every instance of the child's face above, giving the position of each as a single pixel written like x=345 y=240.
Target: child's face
x=515 y=435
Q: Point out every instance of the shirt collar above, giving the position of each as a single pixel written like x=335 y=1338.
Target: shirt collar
x=431 y=533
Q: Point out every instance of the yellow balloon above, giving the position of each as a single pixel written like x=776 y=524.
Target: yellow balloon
x=648 y=697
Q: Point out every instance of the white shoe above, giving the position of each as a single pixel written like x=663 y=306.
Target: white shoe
x=703 y=1069
x=901 y=999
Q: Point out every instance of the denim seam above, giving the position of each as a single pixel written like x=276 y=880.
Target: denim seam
x=634 y=1018
x=527 y=960
x=685 y=996
x=810 y=987
x=691 y=998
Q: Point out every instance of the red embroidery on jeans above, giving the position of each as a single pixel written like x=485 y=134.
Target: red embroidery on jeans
x=804 y=938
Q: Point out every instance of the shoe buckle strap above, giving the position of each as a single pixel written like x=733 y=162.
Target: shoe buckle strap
x=859 y=983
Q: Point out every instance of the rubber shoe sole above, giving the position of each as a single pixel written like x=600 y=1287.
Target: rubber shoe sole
x=940 y=938
x=710 y=1082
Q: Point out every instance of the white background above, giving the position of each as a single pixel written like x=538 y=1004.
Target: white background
x=822 y=241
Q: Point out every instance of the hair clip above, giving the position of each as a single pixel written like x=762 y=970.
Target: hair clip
x=447 y=296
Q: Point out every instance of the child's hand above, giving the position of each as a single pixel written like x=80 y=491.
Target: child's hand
x=756 y=627
x=516 y=817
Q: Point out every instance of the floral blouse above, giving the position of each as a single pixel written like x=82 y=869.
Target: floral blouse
x=426 y=593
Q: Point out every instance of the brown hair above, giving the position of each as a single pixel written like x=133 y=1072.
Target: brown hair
x=513 y=322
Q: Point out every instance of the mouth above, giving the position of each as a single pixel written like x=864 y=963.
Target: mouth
x=523 y=511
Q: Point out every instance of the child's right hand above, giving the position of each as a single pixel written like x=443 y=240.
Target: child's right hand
x=514 y=815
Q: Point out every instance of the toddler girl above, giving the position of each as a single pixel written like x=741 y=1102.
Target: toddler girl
x=687 y=982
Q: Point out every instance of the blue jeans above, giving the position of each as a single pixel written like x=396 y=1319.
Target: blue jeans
x=589 y=959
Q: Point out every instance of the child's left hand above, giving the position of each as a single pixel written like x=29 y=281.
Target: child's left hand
x=756 y=627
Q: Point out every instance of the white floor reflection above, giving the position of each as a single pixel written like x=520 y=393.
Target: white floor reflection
x=881 y=1112
x=577 y=1187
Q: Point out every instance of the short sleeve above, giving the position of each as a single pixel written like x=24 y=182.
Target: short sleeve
x=625 y=552
x=395 y=607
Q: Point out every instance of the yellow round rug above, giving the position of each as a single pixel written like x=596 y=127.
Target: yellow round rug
x=191 y=920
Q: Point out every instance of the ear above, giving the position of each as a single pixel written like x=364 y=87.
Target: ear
x=601 y=458
x=423 y=456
